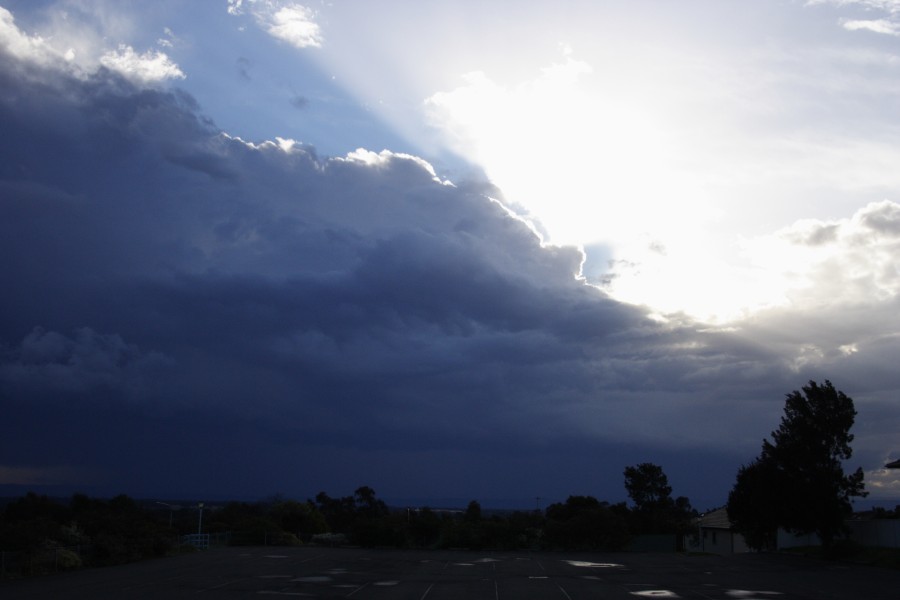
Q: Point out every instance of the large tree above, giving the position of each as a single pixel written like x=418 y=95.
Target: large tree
x=648 y=486
x=798 y=480
x=655 y=511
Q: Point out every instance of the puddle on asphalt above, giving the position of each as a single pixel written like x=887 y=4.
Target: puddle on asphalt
x=593 y=565
x=656 y=594
x=386 y=583
x=313 y=579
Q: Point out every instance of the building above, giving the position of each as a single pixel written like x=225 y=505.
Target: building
x=716 y=535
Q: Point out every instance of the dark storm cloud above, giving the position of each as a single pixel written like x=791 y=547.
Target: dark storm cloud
x=244 y=313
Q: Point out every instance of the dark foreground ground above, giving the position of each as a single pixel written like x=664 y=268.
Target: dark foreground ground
x=309 y=572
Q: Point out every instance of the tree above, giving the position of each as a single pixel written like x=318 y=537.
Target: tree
x=648 y=487
x=654 y=509
x=585 y=523
x=473 y=512
x=798 y=480
x=750 y=506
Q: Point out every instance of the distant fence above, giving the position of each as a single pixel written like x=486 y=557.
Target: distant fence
x=656 y=543
x=884 y=533
x=197 y=540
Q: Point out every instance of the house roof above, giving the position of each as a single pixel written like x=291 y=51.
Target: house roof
x=893 y=465
x=716 y=519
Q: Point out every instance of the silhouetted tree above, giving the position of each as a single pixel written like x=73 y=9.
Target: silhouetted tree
x=583 y=522
x=648 y=487
x=798 y=481
x=751 y=508
x=299 y=518
x=654 y=509
x=473 y=512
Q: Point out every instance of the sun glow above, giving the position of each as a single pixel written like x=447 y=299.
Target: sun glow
x=674 y=169
x=575 y=162
x=591 y=166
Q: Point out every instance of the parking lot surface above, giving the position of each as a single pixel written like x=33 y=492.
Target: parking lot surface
x=362 y=574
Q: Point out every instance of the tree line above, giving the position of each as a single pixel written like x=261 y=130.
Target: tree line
x=53 y=534
x=796 y=483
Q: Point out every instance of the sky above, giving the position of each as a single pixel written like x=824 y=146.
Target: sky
x=447 y=250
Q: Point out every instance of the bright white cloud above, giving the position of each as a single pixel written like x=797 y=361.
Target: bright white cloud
x=878 y=26
x=384 y=158
x=810 y=265
x=883 y=483
x=287 y=21
x=23 y=46
x=833 y=263
x=294 y=25
x=150 y=67
x=889 y=25
x=146 y=68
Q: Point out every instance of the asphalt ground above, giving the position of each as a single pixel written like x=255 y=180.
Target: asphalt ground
x=361 y=574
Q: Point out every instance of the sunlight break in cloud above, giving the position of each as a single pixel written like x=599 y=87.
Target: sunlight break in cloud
x=586 y=155
x=883 y=483
x=286 y=21
x=593 y=166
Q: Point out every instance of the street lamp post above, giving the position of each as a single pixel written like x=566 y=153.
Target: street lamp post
x=170 y=511
x=200 y=522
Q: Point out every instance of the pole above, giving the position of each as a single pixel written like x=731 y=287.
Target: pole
x=170 y=511
x=200 y=522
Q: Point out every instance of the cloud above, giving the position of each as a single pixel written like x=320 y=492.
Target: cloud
x=891 y=6
x=243 y=65
x=149 y=67
x=284 y=20
x=883 y=483
x=246 y=311
x=890 y=25
x=839 y=263
x=877 y=26
x=57 y=475
x=22 y=46
x=48 y=363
